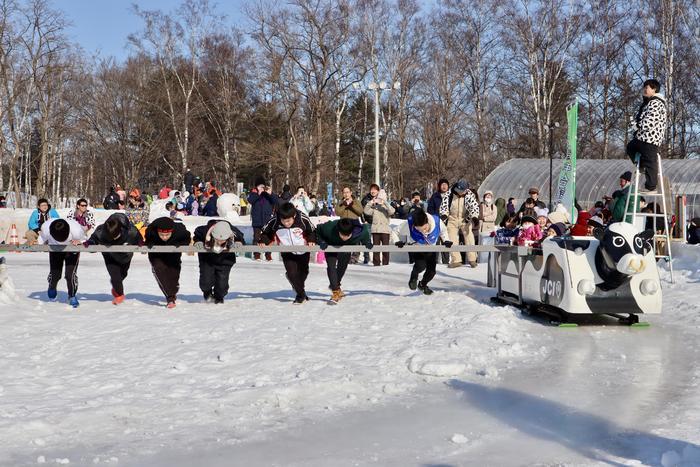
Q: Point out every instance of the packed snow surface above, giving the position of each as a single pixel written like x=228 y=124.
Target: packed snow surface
x=387 y=377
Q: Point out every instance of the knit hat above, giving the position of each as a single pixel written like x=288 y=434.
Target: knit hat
x=596 y=221
x=135 y=193
x=541 y=212
x=559 y=228
x=461 y=186
x=59 y=230
x=260 y=181
x=533 y=190
x=627 y=176
x=164 y=224
x=221 y=231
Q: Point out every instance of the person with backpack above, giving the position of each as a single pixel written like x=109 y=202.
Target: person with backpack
x=216 y=239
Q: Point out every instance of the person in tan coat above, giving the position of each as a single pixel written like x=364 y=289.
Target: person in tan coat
x=463 y=213
x=487 y=214
x=381 y=212
x=348 y=207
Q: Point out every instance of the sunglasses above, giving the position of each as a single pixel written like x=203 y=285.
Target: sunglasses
x=82 y=205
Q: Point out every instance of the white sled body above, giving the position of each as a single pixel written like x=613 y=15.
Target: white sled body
x=563 y=275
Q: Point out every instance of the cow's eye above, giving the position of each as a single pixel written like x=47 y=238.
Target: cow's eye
x=618 y=241
x=638 y=242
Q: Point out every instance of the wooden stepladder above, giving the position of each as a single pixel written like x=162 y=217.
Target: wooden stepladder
x=638 y=218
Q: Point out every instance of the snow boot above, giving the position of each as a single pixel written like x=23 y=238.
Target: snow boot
x=170 y=305
x=412 y=284
x=218 y=301
x=52 y=293
x=118 y=299
x=454 y=265
x=425 y=289
x=336 y=296
x=472 y=264
x=73 y=301
x=300 y=299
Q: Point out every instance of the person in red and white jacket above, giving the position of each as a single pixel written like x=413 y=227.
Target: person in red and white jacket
x=291 y=227
x=62 y=232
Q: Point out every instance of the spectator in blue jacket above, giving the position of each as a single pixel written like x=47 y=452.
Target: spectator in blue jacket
x=262 y=203
x=41 y=214
x=210 y=209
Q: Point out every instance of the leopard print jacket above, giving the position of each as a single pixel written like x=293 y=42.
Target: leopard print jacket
x=651 y=121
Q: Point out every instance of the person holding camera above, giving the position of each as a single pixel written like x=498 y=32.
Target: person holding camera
x=301 y=201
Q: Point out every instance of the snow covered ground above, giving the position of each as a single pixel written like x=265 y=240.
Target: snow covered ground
x=388 y=377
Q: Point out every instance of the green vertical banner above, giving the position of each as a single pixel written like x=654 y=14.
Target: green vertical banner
x=566 y=188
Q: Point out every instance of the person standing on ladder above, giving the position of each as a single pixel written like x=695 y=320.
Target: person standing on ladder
x=649 y=125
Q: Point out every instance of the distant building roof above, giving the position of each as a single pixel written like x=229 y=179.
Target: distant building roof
x=594 y=179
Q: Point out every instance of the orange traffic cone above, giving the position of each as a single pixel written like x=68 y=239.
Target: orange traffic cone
x=14 y=238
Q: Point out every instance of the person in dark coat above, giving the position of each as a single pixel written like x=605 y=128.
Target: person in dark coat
x=166 y=266
x=210 y=209
x=262 y=204
x=338 y=233
x=286 y=194
x=373 y=192
x=188 y=180
x=116 y=230
x=216 y=238
x=693 y=235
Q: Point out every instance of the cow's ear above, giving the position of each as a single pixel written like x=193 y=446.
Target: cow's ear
x=648 y=238
x=599 y=233
x=646 y=235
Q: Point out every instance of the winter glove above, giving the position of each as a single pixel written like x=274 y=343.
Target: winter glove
x=368 y=246
x=447 y=244
x=322 y=245
x=399 y=244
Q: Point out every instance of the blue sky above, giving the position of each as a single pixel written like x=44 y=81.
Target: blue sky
x=102 y=26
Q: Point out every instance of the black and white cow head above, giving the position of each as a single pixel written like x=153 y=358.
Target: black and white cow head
x=624 y=248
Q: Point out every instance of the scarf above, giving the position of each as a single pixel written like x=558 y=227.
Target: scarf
x=444 y=204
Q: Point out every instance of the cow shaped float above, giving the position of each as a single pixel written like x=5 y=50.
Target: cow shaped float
x=612 y=273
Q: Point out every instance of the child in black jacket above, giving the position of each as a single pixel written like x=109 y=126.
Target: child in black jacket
x=117 y=230
x=216 y=238
x=166 y=266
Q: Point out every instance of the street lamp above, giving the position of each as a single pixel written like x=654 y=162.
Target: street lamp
x=377 y=88
x=551 y=128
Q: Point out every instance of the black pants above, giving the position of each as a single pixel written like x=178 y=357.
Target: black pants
x=297 y=267
x=167 y=273
x=117 y=271
x=336 y=264
x=213 y=279
x=648 y=162
x=424 y=262
x=257 y=232
x=380 y=239
x=56 y=260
